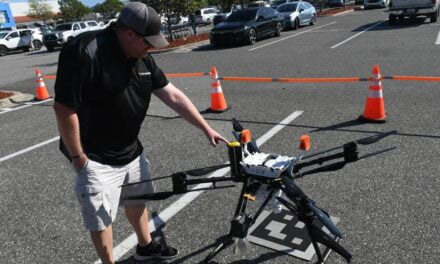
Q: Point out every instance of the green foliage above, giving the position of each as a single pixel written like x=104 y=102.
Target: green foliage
x=39 y=9
x=108 y=7
x=72 y=10
x=181 y=7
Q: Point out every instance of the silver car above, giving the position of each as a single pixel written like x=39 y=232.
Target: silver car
x=297 y=14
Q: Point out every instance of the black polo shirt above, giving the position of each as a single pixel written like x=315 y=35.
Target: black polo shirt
x=109 y=92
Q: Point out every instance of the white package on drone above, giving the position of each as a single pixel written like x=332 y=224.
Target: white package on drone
x=266 y=165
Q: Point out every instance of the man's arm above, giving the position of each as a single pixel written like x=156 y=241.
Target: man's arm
x=68 y=127
x=180 y=103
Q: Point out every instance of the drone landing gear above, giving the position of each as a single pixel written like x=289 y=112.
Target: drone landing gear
x=241 y=222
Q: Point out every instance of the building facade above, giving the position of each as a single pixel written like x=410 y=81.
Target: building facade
x=19 y=9
x=6 y=16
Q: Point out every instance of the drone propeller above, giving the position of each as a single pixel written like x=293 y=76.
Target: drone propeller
x=152 y=196
x=195 y=173
x=362 y=141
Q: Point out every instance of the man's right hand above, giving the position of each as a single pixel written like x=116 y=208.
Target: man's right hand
x=80 y=162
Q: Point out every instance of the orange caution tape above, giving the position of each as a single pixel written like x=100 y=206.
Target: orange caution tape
x=297 y=80
x=288 y=80
x=416 y=78
x=194 y=74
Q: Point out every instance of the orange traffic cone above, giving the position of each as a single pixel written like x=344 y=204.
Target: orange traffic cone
x=374 y=108
x=41 y=92
x=218 y=102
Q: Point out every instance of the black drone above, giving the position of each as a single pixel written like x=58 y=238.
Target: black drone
x=254 y=169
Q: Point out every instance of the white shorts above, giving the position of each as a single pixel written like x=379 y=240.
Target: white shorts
x=99 y=193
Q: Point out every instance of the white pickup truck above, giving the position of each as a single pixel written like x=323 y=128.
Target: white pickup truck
x=67 y=31
x=412 y=8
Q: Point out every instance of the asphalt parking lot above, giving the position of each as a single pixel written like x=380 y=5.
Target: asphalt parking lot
x=387 y=205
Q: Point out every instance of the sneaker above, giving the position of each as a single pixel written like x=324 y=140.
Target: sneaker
x=155 y=250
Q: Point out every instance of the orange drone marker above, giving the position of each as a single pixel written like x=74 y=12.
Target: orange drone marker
x=304 y=142
x=245 y=136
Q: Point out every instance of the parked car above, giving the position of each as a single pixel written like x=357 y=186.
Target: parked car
x=297 y=14
x=375 y=3
x=207 y=14
x=37 y=37
x=13 y=40
x=92 y=25
x=247 y=26
x=63 y=33
x=413 y=8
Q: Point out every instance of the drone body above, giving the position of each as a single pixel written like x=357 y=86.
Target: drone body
x=270 y=177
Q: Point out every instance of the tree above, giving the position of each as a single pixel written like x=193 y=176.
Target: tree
x=108 y=7
x=72 y=10
x=39 y=9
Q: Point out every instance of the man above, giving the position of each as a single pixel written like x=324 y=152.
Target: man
x=103 y=88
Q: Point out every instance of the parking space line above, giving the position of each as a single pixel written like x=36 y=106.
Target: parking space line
x=291 y=36
x=352 y=37
x=10 y=156
x=437 y=42
x=121 y=249
x=25 y=105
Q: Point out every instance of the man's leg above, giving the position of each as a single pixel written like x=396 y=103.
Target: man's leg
x=138 y=217
x=103 y=241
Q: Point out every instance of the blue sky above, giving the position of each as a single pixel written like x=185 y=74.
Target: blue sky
x=85 y=2
x=91 y=2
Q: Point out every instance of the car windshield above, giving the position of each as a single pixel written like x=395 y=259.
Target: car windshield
x=287 y=8
x=3 y=34
x=242 y=15
x=63 y=27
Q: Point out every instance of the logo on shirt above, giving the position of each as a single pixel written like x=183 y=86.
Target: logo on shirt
x=144 y=73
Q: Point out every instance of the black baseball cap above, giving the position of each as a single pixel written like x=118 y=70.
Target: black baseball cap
x=143 y=20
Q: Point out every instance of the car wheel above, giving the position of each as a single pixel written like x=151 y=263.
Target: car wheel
x=392 y=19
x=296 y=24
x=252 y=36
x=3 y=50
x=278 y=29
x=37 y=44
x=434 y=17
x=313 y=20
x=50 y=49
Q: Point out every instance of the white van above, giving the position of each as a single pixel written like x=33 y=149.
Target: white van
x=206 y=14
